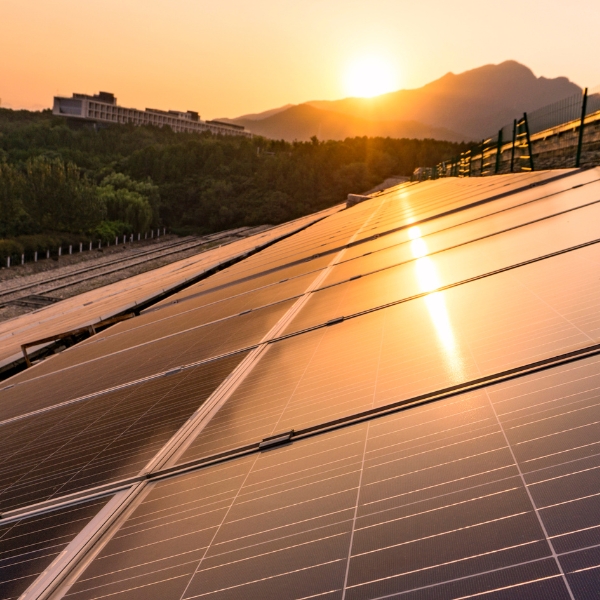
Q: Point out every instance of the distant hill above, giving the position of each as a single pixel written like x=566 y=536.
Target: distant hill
x=467 y=106
x=303 y=121
x=265 y=114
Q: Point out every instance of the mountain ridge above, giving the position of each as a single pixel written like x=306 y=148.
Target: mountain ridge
x=302 y=121
x=455 y=107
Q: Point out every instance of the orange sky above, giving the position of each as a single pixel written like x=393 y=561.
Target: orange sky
x=230 y=57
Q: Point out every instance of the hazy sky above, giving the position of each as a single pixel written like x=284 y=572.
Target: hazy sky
x=230 y=57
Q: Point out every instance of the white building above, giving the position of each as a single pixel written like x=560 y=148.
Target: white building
x=103 y=108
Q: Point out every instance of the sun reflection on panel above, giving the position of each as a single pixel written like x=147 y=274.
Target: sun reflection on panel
x=439 y=315
x=429 y=281
x=427 y=274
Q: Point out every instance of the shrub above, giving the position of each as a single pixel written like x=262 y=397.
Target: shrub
x=10 y=248
x=107 y=231
x=50 y=241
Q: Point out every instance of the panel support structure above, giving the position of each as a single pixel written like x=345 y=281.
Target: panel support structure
x=581 y=127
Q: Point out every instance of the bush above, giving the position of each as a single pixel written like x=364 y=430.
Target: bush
x=107 y=231
x=10 y=248
x=50 y=241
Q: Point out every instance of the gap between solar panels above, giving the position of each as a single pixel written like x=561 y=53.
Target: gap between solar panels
x=273 y=337
x=46 y=584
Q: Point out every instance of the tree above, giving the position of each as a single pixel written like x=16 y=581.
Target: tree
x=56 y=197
x=129 y=201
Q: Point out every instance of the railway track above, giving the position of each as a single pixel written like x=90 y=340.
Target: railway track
x=16 y=293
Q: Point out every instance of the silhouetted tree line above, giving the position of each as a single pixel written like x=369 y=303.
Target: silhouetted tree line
x=57 y=179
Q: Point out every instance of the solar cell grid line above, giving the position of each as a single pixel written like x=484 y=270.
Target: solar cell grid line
x=28 y=546
x=432 y=502
x=529 y=202
x=136 y=363
x=427 y=344
x=108 y=438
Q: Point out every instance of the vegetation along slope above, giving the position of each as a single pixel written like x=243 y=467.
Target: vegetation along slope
x=60 y=183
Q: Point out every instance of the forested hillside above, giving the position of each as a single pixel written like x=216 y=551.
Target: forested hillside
x=57 y=181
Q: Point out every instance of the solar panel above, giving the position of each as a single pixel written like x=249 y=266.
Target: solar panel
x=413 y=348
x=409 y=410
x=445 y=233
x=107 y=438
x=471 y=495
x=93 y=306
x=29 y=545
x=135 y=363
x=556 y=231
x=424 y=273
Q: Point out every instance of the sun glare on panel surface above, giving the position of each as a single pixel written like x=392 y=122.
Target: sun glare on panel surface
x=370 y=76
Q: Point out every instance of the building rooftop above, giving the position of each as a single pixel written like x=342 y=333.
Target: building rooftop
x=102 y=109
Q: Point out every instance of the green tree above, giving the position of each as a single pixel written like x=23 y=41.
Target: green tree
x=12 y=213
x=57 y=197
x=129 y=201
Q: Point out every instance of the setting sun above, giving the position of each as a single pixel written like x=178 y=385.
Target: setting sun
x=370 y=76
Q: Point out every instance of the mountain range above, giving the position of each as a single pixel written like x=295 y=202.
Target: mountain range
x=464 y=107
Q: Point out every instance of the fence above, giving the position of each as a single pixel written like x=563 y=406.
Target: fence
x=12 y=259
x=561 y=135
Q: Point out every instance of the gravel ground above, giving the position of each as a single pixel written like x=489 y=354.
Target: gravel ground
x=30 y=272
x=40 y=272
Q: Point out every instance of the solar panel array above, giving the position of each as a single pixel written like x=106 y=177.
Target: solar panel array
x=399 y=401
x=103 y=303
